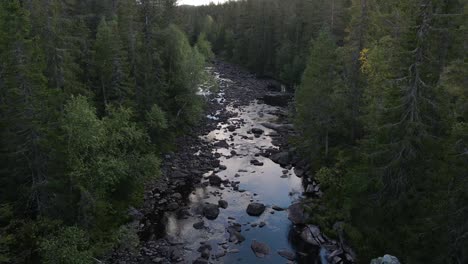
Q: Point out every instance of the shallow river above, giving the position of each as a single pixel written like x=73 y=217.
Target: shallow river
x=269 y=184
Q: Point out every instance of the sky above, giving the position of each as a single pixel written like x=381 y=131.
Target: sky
x=199 y=2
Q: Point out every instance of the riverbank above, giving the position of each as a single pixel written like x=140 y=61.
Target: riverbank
x=224 y=195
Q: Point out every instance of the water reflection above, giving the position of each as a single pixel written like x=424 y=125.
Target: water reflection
x=269 y=184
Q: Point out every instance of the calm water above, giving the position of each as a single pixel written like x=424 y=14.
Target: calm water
x=265 y=184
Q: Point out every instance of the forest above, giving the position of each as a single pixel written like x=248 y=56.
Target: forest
x=94 y=92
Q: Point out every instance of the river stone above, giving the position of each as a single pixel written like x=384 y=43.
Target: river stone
x=255 y=209
x=256 y=162
x=277 y=98
x=234 y=235
x=215 y=180
x=260 y=249
x=172 y=206
x=312 y=235
x=296 y=214
x=200 y=261
x=211 y=211
x=287 y=254
x=257 y=131
x=277 y=208
x=199 y=225
x=386 y=259
x=223 y=204
x=281 y=158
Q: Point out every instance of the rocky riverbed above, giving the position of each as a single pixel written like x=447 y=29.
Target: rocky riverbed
x=232 y=193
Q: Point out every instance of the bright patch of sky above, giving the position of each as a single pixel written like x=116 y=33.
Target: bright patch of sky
x=199 y=2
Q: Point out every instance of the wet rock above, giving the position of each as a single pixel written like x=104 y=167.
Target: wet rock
x=277 y=208
x=211 y=211
x=281 y=158
x=234 y=235
x=222 y=144
x=177 y=196
x=231 y=128
x=220 y=254
x=222 y=167
x=200 y=261
x=257 y=131
x=287 y=254
x=255 y=209
x=215 y=180
x=262 y=224
x=199 y=225
x=387 y=259
x=312 y=235
x=256 y=162
x=296 y=214
x=223 y=204
x=260 y=249
x=172 y=206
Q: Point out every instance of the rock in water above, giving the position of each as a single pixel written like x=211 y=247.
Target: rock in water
x=281 y=158
x=386 y=259
x=199 y=225
x=312 y=235
x=255 y=209
x=296 y=214
x=223 y=204
x=211 y=211
x=260 y=249
x=200 y=261
x=287 y=254
x=234 y=235
x=215 y=180
x=257 y=131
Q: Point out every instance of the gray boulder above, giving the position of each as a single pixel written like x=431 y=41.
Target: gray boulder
x=211 y=211
x=260 y=249
x=296 y=214
x=386 y=259
x=223 y=204
x=281 y=158
x=312 y=235
x=215 y=180
x=255 y=209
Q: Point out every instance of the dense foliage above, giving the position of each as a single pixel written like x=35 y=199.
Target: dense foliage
x=90 y=93
x=381 y=105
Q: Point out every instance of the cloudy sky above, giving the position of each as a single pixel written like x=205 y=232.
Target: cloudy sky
x=199 y=2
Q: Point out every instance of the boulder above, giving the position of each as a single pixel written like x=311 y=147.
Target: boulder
x=287 y=254
x=199 y=225
x=215 y=180
x=234 y=235
x=211 y=211
x=277 y=208
x=296 y=214
x=255 y=209
x=386 y=259
x=277 y=98
x=312 y=235
x=223 y=204
x=256 y=162
x=200 y=261
x=281 y=158
x=257 y=131
x=260 y=249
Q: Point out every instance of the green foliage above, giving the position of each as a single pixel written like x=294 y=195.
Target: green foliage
x=69 y=245
x=319 y=116
x=204 y=47
x=185 y=72
x=86 y=100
